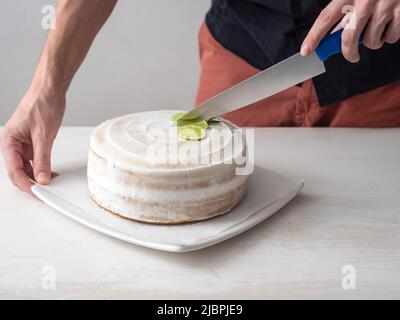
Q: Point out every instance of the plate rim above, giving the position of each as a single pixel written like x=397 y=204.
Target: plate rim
x=79 y=215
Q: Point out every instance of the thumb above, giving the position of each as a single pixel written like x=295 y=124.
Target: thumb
x=42 y=162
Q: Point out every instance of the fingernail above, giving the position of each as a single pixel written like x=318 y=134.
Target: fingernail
x=42 y=178
x=305 y=49
x=354 y=59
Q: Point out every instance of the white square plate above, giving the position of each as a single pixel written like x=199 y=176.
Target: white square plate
x=268 y=192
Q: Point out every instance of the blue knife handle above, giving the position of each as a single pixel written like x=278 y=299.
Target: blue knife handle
x=332 y=45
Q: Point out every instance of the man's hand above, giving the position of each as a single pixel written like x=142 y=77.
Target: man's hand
x=379 y=18
x=28 y=136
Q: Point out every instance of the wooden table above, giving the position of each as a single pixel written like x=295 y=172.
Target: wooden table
x=348 y=214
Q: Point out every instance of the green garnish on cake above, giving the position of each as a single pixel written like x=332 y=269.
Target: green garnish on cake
x=193 y=129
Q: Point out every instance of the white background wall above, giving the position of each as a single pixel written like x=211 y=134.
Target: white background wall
x=145 y=58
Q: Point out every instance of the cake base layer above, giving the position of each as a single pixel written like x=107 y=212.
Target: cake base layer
x=183 y=214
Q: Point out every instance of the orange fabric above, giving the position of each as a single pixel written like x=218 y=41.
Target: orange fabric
x=296 y=106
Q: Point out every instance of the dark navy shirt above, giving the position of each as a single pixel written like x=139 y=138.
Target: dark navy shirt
x=264 y=32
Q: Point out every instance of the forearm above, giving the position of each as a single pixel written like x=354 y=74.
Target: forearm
x=77 y=24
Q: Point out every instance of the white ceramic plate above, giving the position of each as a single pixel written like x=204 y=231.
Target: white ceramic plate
x=268 y=192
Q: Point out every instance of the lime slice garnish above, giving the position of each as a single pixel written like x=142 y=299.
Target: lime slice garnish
x=202 y=124
x=175 y=117
x=196 y=122
x=191 y=132
x=190 y=129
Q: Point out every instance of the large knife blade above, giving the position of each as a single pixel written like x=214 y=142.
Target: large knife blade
x=286 y=74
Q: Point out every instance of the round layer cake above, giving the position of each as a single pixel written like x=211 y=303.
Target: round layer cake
x=140 y=169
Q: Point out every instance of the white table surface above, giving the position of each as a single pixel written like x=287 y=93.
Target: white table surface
x=347 y=214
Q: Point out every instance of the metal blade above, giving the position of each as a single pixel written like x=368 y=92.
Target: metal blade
x=277 y=78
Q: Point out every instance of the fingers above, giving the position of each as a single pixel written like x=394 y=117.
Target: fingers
x=15 y=166
x=41 y=161
x=325 y=21
x=353 y=30
x=392 y=34
x=379 y=19
x=374 y=32
x=342 y=24
x=28 y=169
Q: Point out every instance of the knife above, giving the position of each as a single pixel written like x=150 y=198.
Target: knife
x=285 y=74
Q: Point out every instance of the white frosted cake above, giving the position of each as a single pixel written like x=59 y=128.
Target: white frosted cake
x=139 y=168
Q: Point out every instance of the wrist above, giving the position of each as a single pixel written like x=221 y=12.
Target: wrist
x=50 y=84
x=50 y=78
x=49 y=89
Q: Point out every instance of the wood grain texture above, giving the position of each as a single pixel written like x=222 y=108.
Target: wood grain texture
x=347 y=213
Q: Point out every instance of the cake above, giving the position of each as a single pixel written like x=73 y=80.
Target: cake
x=140 y=169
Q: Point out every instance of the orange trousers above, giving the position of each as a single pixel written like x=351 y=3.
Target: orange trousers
x=296 y=106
